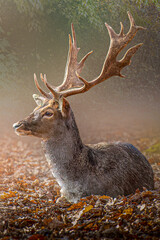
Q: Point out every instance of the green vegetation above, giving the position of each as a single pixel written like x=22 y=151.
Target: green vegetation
x=155 y=148
x=34 y=39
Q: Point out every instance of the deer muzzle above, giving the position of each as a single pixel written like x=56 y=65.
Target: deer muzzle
x=21 y=129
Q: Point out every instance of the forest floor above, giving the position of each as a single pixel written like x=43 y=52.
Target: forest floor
x=29 y=210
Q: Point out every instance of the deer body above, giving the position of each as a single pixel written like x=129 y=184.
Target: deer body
x=81 y=170
x=110 y=169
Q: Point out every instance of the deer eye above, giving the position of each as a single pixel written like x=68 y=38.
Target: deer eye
x=48 y=114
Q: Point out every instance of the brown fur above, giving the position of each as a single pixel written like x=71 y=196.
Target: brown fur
x=81 y=170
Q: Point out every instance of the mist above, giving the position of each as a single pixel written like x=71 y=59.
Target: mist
x=115 y=109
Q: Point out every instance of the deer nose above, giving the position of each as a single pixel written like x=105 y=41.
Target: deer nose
x=17 y=125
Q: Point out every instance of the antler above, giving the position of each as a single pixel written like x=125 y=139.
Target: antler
x=111 y=66
x=71 y=80
x=72 y=67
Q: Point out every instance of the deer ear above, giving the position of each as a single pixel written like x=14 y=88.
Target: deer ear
x=38 y=99
x=64 y=107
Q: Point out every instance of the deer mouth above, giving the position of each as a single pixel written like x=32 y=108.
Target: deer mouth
x=20 y=129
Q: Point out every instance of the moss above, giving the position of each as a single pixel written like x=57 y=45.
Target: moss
x=154 y=149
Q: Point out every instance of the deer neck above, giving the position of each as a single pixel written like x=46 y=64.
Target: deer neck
x=64 y=147
x=63 y=154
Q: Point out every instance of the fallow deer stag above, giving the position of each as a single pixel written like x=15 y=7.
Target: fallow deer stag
x=81 y=170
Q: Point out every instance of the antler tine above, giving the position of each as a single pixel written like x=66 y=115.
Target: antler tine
x=81 y=63
x=55 y=94
x=133 y=24
x=111 y=66
x=74 y=36
x=126 y=60
x=39 y=88
x=111 y=32
x=122 y=30
x=131 y=19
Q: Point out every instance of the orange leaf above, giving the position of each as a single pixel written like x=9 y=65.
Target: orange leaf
x=76 y=206
x=104 y=197
x=128 y=211
x=87 y=209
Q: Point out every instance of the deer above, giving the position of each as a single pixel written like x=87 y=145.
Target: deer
x=82 y=170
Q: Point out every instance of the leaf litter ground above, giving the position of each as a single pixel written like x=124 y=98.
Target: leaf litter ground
x=29 y=208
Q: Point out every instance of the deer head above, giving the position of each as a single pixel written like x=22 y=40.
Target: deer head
x=47 y=119
x=53 y=110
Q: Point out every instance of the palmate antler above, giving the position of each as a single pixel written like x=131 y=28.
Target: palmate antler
x=73 y=68
x=73 y=83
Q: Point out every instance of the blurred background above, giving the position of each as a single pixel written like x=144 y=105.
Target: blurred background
x=34 y=38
